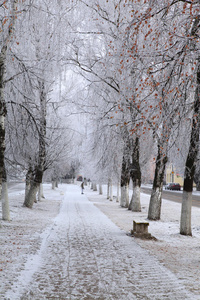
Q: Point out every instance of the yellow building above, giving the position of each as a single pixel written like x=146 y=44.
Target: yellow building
x=172 y=175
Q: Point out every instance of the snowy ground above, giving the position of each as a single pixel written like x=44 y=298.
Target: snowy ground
x=66 y=248
x=178 y=253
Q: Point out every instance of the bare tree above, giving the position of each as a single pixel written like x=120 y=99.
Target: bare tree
x=191 y=161
x=8 y=15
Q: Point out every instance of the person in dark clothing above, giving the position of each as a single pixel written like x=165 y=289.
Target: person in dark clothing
x=82 y=187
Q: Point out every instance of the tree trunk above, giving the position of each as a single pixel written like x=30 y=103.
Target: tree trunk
x=53 y=184
x=3 y=109
x=4 y=198
x=5 y=202
x=135 y=174
x=186 y=208
x=118 y=187
x=100 y=189
x=31 y=196
x=27 y=187
x=108 y=189
x=185 y=224
x=94 y=187
x=40 y=192
x=135 y=204
x=125 y=179
x=124 y=200
x=35 y=184
x=198 y=186
x=111 y=190
x=3 y=113
x=29 y=178
x=156 y=194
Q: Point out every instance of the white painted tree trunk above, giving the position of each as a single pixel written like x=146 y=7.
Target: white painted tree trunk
x=94 y=187
x=100 y=189
x=124 y=201
x=123 y=196
x=127 y=195
x=31 y=196
x=135 y=174
x=53 y=185
x=156 y=194
x=5 y=202
x=111 y=191
x=27 y=188
x=108 y=190
x=40 y=192
x=185 y=226
x=155 y=203
x=135 y=199
x=191 y=161
x=118 y=188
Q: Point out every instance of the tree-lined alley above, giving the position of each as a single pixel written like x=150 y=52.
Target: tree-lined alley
x=128 y=71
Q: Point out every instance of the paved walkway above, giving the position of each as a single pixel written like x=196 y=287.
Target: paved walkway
x=85 y=256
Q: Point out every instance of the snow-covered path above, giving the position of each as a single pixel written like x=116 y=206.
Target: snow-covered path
x=85 y=256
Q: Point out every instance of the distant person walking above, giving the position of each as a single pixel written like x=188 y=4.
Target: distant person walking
x=82 y=187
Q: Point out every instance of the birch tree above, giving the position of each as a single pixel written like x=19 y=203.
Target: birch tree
x=8 y=16
x=38 y=65
x=154 y=40
x=159 y=102
x=191 y=161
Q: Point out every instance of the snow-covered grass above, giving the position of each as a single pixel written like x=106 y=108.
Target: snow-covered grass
x=23 y=235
